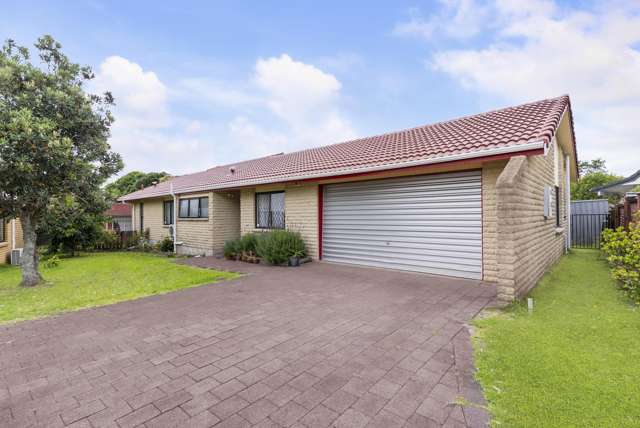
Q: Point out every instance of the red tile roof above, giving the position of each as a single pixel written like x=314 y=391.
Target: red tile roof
x=509 y=130
x=119 y=210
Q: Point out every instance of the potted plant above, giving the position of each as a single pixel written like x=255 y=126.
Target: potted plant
x=294 y=260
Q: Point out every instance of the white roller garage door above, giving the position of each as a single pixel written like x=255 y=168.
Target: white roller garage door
x=430 y=223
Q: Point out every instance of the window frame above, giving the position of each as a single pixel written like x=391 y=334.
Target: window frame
x=3 y=231
x=270 y=225
x=557 y=205
x=189 y=202
x=171 y=206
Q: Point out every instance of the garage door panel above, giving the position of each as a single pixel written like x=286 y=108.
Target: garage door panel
x=468 y=257
x=396 y=194
x=426 y=223
x=449 y=269
x=412 y=243
x=411 y=237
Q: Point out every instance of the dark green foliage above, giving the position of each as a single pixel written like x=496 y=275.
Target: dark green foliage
x=277 y=246
x=232 y=249
x=166 y=244
x=133 y=181
x=74 y=224
x=53 y=138
x=592 y=174
x=248 y=244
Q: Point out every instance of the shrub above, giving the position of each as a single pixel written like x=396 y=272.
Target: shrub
x=277 y=246
x=622 y=248
x=107 y=240
x=52 y=261
x=232 y=248
x=166 y=244
x=248 y=243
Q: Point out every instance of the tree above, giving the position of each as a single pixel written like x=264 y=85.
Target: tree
x=133 y=181
x=593 y=173
x=53 y=138
x=71 y=223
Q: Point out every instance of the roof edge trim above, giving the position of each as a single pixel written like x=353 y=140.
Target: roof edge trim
x=533 y=145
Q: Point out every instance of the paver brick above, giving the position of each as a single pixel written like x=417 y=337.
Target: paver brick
x=328 y=346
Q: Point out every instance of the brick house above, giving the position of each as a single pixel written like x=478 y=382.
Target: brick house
x=10 y=238
x=484 y=197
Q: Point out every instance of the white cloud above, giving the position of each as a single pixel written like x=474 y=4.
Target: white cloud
x=145 y=132
x=305 y=98
x=458 y=19
x=141 y=98
x=280 y=106
x=537 y=49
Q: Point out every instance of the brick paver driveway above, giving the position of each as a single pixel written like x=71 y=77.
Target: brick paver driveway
x=315 y=346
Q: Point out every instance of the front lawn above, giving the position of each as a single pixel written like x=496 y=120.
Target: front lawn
x=574 y=362
x=95 y=280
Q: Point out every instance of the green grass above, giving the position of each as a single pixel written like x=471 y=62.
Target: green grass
x=95 y=280
x=573 y=362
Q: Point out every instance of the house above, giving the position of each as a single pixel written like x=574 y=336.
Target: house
x=10 y=238
x=484 y=197
x=629 y=191
x=119 y=218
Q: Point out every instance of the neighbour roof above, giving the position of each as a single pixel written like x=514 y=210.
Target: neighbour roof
x=620 y=186
x=509 y=130
x=119 y=210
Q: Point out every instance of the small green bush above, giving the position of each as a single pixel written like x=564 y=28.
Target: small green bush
x=166 y=244
x=248 y=243
x=232 y=248
x=622 y=248
x=107 y=240
x=277 y=246
x=51 y=261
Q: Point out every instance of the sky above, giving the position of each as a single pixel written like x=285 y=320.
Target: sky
x=200 y=84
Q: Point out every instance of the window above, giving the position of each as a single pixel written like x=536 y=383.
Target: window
x=270 y=210
x=557 y=196
x=3 y=233
x=167 y=212
x=194 y=208
x=141 y=218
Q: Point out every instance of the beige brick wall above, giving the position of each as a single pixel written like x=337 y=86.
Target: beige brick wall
x=490 y=173
x=528 y=242
x=226 y=219
x=196 y=235
x=6 y=245
x=301 y=207
x=301 y=212
x=153 y=218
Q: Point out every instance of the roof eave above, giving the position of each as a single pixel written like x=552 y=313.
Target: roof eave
x=512 y=150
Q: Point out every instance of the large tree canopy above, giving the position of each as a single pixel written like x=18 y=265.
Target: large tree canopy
x=53 y=138
x=593 y=173
x=135 y=180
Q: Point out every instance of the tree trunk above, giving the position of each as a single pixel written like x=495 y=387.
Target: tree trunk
x=29 y=261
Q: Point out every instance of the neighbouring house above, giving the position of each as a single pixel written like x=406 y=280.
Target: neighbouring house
x=484 y=197
x=628 y=189
x=119 y=218
x=10 y=238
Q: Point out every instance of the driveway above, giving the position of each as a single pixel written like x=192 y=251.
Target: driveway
x=315 y=346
